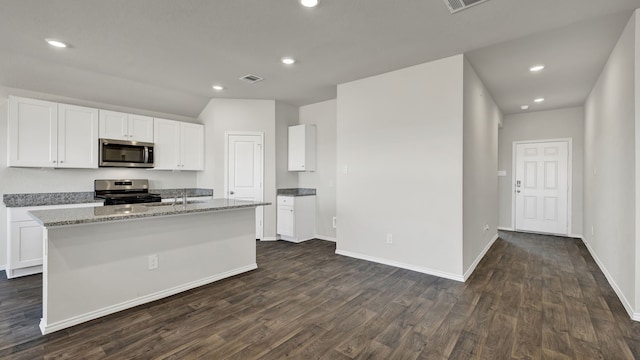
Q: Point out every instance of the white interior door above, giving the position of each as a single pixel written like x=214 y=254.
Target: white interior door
x=542 y=187
x=245 y=171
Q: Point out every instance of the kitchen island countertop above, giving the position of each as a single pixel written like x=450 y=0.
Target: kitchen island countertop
x=85 y=215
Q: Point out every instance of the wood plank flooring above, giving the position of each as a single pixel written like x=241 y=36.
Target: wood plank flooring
x=532 y=297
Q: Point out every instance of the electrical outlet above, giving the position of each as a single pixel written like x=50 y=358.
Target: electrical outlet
x=334 y=222
x=152 y=262
x=389 y=238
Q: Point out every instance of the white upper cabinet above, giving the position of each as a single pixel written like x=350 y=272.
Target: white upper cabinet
x=178 y=145
x=140 y=128
x=33 y=133
x=77 y=137
x=47 y=134
x=192 y=139
x=302 y=148
x=122 y=126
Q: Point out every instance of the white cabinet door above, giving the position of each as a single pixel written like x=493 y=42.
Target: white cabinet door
x=286 y=221
x=26 y=244
x=77 y=137
x=167 y=145
x=302 y=148
x=192 y=147
x=140 y=128
x=33 y=132
x=114 y=125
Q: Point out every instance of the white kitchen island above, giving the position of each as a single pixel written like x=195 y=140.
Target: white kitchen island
x=98 y=261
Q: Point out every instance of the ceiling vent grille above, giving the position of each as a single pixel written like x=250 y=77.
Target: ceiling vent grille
x=459 y=5
x=251 y=79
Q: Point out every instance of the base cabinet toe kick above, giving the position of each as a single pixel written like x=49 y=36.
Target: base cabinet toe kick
x=98 y=268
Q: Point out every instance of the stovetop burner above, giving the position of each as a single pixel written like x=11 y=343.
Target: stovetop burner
x=118 y=192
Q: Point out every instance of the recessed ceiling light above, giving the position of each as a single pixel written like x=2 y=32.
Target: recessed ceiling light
x=536 y=68
x=309 y=3
x=539 y=100
x=56 y=43
x=218 y=87
x=288 y=60
x=524 y=107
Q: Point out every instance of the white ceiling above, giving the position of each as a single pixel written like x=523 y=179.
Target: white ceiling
x=164 y=55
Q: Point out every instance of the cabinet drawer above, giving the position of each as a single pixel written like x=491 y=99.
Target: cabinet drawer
x=285 y=200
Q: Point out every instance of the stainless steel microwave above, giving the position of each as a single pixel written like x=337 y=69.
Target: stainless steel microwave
x=124 y=153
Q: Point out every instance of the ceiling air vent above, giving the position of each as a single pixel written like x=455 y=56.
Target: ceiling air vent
x=251 y=79
x=459 y=5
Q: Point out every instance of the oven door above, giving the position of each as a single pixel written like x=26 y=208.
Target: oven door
x=122 y=153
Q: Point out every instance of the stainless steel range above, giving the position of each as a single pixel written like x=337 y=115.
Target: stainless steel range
x=117 y=192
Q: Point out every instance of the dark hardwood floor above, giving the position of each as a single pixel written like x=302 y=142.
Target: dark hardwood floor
x=532 y=297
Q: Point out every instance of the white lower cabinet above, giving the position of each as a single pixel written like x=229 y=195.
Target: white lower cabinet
x=296 y=218
x=25 y=239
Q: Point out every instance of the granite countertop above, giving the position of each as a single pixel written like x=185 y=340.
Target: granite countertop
x=65 y=198
x=297 y=192
x=86 y=215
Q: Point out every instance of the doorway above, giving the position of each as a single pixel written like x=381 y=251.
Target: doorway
x=244 y=169
x=542 y=186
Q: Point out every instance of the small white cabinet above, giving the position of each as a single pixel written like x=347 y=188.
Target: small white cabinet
x=47 y=134
x=122 y=126
x=178 y=145
x=296 y=217
x=302 y=148
x=77 y=137
x=25 y=239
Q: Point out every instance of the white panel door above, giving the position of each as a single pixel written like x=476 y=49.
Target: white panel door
x=192 y=147
x=77 y=137
x=114 y=125
x=542 y=187
x=166 y=145
x=140 y=128
x=244 y=171
x=33 y=132
x=26 y=244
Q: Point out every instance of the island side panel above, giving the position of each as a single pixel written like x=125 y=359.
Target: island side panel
x=92 y=270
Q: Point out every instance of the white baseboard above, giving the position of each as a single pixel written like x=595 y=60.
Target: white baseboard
x=3 y=267
x=577 y=236
x=59 y=325
x=627 y=305
x=326 y=238
x=475 y=263
x=506 y=228
x=270 y=238
x=401 y=265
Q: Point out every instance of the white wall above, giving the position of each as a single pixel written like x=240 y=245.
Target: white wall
x=480 y=165
x=222 y=115
x=33 y=180
x=610 y=183
x=323 y=116
x=552 y=124
x=286 y=115
x=399 y=135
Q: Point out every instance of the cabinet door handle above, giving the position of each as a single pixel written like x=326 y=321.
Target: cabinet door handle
x=231 y=192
